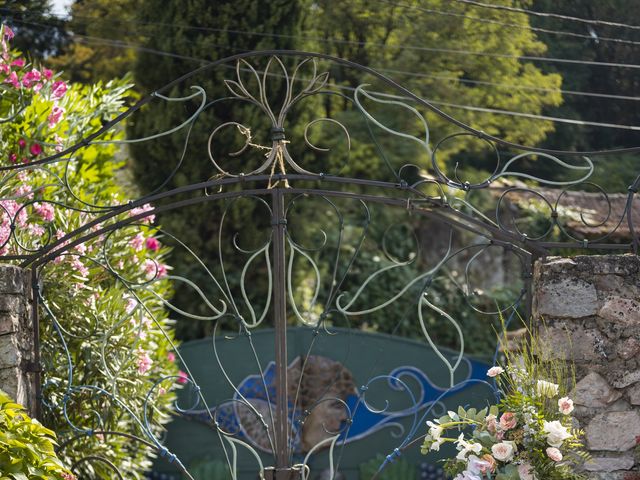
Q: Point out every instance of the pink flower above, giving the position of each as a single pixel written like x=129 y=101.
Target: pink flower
x=495 y=371
x=153 y=244
x=22 y=143
x=81 y=248
x=18 y=62
x=13 y=80
x=57 y=112
x=35 y=229
x=565 y=405
x=508 y=421
x=137 y=242
x=153 y=269
x=144 y=361
x=131 y=305
x=45 y=210
x=554 y=454
x=13 y=158
x=182 y=377
x=525 y=470
x=58 y=89
x=143 y=209
x=4 y=68
x=31 y=78
x=162 y=391
x=7 y=32
x=35 y=149
x=491 y=424
x=59 y=143
x=47 y=73
x=80 y=267
x=171 y=357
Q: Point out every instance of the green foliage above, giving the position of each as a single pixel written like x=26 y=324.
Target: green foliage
x=106 y=339
x=26 y=447
x=400 y=469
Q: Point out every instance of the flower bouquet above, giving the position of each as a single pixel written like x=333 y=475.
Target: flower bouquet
x=528 y=435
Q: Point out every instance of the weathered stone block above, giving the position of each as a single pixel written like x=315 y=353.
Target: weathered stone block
x=613 y=431
x=625 y=378
x=581 y=344
x=628 y=348
x=12 y=279
x=599 y=463
x=9 y=323
x=14 y=383
x=624 y=311
x=567 y=298
x=11 y=303
x=9 y=351
x=594 y=391
x=634 y=394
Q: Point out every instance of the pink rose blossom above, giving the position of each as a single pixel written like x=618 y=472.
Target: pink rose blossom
x=13 y=80
x=495 y=371
x=18 y=62
x=525 y=470
x=491 y=424
x=58 y=89
x=13 y=158
x=153 y=244
x=182 y=377
x=57 y=112
x=144 y=361
x=45 y=210
x=30 y=78
x=47 y=73
x=4 y=68
x=508 y=421
x=171 y=357
x=35 y=149
x=137 y=242
x=22 y=143
x=565 y=405
x=554 y=454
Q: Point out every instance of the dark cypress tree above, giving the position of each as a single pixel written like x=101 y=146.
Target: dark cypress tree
x=205 y=30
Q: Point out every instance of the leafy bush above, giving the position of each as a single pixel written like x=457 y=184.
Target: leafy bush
x=26 y=447
x=107 y=344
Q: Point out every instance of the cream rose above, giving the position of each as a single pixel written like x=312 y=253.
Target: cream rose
x=503 y=451
x=546 y=389
x=556 y=433
x=525 y=470
x=554 y=454
x=565 y=405
x=495 y=371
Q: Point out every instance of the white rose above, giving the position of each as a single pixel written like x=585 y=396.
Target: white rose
x=546 y=389
x=503 y=451
x=556 y=433
x=565 y=405
x=495 y=371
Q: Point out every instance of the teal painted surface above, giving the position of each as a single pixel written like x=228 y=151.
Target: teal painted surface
x=365 y=355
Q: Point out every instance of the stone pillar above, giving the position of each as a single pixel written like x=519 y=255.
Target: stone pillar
x=591 y=306
x=16 y=336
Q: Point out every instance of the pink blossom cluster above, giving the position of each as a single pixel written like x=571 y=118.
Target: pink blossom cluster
x=144 y=361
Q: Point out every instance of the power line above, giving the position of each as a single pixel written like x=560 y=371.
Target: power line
x=549 y=15
x=405 y=47
x=511 y=86
x=435 y=102
x=510 y=25
x=119 y=43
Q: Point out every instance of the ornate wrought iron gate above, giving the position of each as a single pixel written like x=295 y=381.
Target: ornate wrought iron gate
x=295 y=175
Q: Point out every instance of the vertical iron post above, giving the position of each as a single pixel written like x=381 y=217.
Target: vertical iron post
x=280 y=325
x=35 y=324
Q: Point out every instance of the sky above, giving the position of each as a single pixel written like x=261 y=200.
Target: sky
x=60 y=6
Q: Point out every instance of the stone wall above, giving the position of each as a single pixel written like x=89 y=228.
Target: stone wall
x=591 y=307
x=16 y=336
